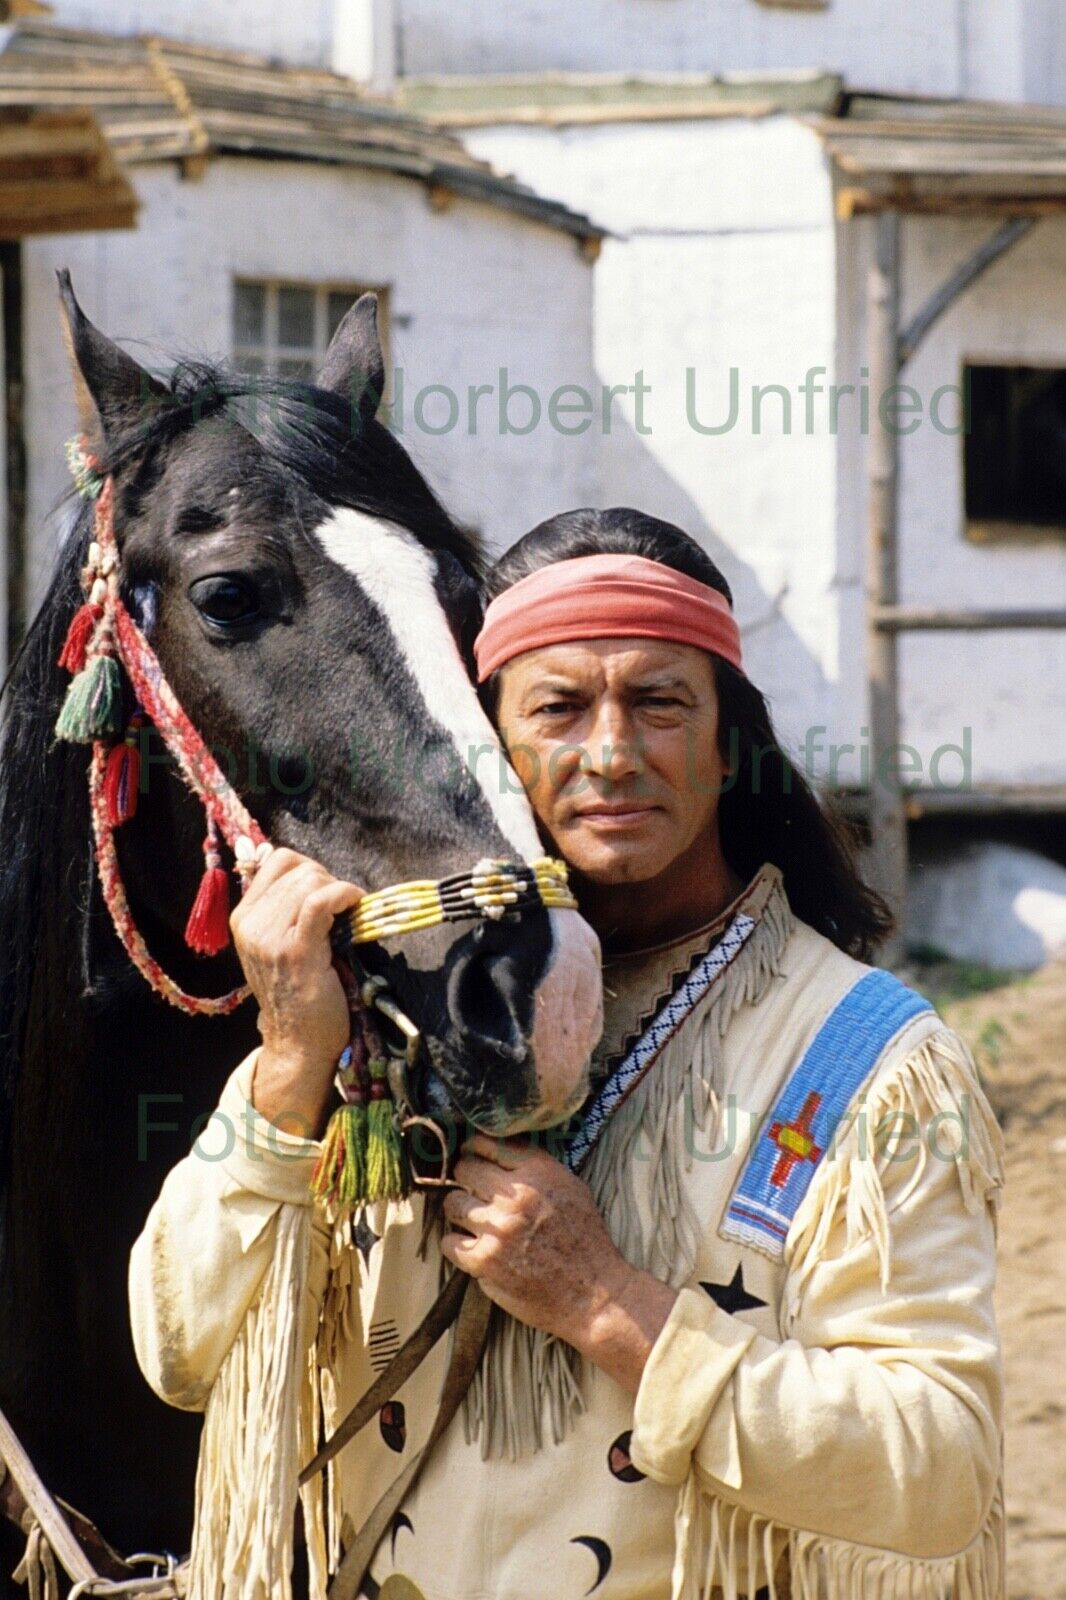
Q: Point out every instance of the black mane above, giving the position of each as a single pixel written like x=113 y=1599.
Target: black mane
x=38 y=775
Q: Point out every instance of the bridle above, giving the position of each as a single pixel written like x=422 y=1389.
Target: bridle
x=103 y=636
x=363 y=1158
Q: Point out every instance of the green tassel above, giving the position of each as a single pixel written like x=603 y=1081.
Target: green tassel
x=351 y=1189
x=387 y=1175
x=93 y=706
x=339 y=1177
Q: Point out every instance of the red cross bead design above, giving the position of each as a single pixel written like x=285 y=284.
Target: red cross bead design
x=795 y=1142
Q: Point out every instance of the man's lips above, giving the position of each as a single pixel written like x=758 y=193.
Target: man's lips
x=617 y=815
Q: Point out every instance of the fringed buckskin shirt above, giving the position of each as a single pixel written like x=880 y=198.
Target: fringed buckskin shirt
x=820 y=1422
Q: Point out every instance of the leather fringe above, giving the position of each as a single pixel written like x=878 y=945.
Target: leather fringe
x=647 y=1135
x=937 y=1079
x=723 y=1553
x=529 y=1388
x=259 y=1419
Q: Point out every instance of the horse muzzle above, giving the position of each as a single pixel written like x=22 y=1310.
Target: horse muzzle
x=507 y=1021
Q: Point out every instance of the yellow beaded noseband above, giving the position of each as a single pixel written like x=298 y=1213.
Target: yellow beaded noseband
x=363 y=1154
x=492 y=890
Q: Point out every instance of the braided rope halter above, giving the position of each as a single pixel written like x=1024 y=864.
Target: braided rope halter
x=102 y=634
x=360 y=1159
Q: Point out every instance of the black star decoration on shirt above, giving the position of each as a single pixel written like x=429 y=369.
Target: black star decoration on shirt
x=733 y=1296
x=364 y=1238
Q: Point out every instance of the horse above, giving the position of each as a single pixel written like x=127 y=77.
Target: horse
x=312 y=605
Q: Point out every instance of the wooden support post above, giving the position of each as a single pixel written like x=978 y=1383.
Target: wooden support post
x=888 y=820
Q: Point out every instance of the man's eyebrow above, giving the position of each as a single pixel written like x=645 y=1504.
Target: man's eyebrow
x=554 y=686
x=654 y=682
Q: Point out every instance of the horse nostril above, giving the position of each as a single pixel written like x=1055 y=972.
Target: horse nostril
x=477 y=997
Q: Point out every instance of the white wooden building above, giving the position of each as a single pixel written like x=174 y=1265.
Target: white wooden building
x=732 y=261
x=996 y=49
x=743 y=156
x=269 y=196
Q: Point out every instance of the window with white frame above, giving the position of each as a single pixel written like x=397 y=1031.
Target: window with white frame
x=285 y=328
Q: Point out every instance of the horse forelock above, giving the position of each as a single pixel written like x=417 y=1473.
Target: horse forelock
x=312 y=437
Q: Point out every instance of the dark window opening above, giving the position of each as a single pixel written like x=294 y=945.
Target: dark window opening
x=1015 y=452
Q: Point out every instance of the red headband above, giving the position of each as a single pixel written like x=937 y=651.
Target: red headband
x=605 y=597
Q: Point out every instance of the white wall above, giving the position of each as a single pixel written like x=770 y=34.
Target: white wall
x=302 y=32
x=1010 y=688
x=472 y=289
x=1015 y=50
x=877 y=44
x=999 y=49
x=353 y=37
x=1044 y=50
x=724 y=257
x=1004 y=49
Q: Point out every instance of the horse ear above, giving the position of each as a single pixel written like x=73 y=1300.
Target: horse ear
x=112 y=391
x=354 y=364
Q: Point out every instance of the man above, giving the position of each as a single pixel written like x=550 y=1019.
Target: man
x=747 y=1345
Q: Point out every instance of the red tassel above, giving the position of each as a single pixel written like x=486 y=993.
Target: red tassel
x=122 y=776
x=82 y=626
x=207 y=930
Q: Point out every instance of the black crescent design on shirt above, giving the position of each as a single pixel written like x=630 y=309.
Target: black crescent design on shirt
x=602 y=1551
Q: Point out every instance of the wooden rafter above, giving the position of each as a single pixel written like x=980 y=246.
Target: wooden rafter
x=58 y=175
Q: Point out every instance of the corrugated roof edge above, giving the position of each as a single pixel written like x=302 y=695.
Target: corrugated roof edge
x=39 y=49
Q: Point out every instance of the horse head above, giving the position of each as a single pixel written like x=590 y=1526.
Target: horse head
x=311 y=605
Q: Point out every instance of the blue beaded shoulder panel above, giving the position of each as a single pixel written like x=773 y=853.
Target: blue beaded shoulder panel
x=801 y=1127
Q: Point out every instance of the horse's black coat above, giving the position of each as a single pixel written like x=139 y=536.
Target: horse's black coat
x=281 y=660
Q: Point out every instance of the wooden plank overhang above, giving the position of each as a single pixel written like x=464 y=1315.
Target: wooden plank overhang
x=564 y=99
x=58 y=175
x=158 y=100
x=946 y=157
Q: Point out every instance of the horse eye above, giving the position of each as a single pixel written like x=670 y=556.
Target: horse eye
x=225 y=601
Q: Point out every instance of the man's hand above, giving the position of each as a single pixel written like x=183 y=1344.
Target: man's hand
x=533 y=1238
x=281 y=931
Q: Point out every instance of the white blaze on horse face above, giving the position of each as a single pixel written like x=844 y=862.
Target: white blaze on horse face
x=397 y=574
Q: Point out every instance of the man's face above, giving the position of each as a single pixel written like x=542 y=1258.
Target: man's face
x=616 y=742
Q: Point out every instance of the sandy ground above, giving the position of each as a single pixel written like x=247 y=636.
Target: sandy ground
x=1018 y=1033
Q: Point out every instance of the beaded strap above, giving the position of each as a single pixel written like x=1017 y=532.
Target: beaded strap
x=493 y=889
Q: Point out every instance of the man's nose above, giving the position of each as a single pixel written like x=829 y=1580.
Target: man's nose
x=613 y=748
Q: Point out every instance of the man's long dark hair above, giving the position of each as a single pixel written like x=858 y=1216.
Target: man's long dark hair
x=768 y=811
